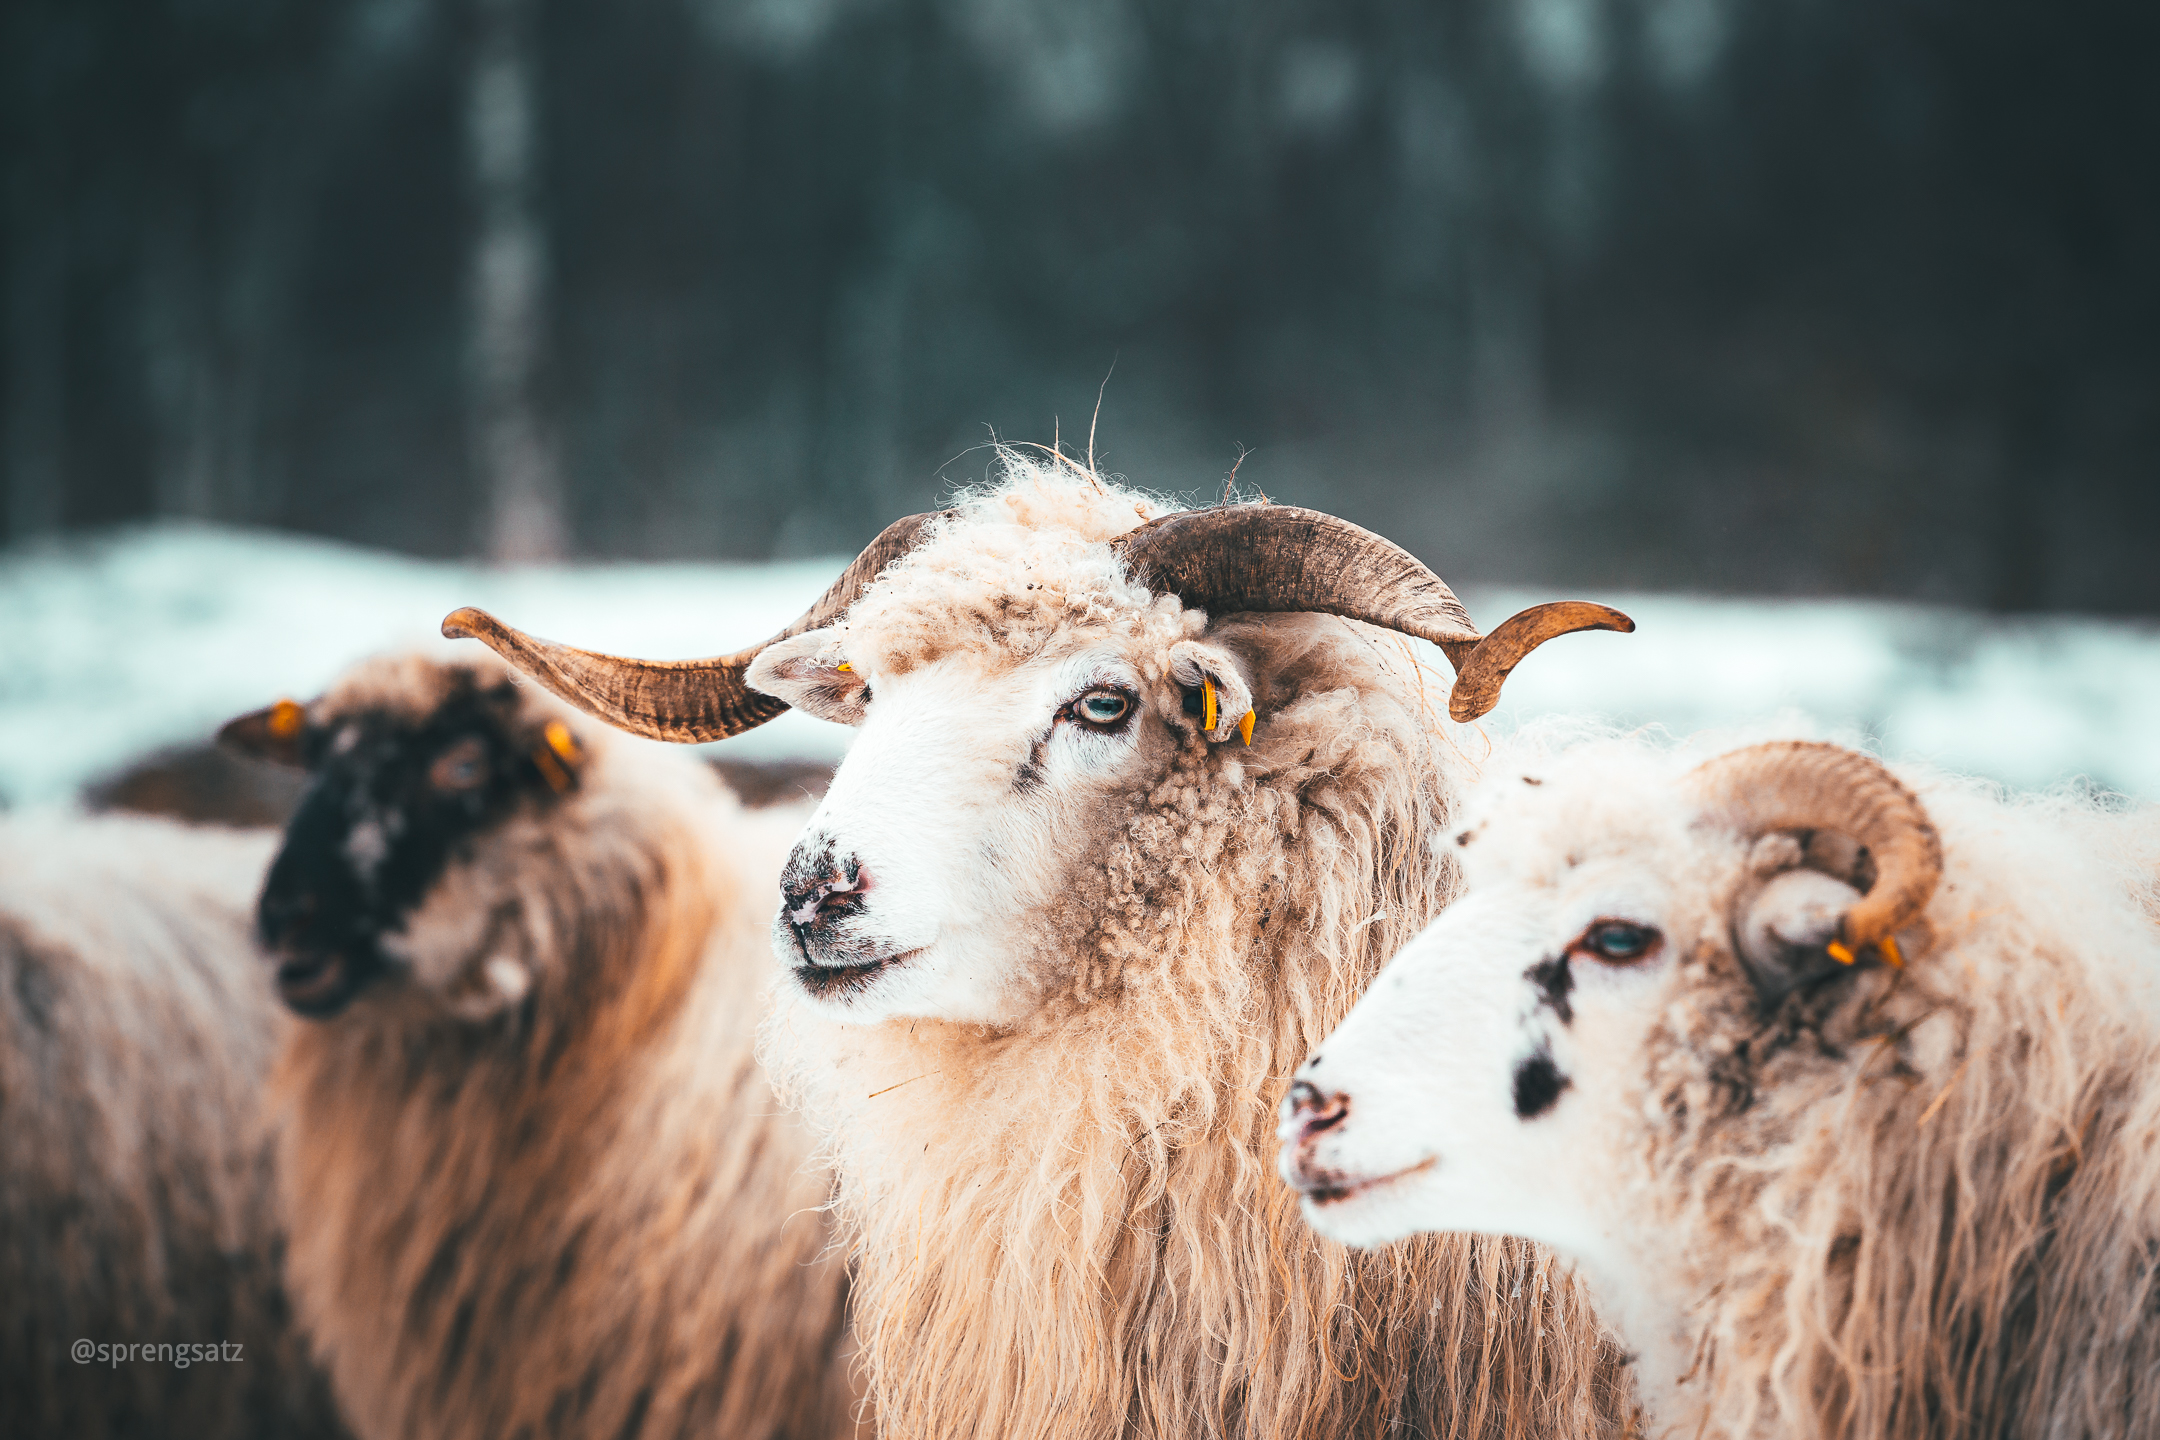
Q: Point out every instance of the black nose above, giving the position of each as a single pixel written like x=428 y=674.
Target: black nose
x=1309 y=1112
x=821 y=885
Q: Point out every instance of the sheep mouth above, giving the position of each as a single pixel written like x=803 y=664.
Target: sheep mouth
x=1332 y=1187
x=828 y=981
x=317 y=987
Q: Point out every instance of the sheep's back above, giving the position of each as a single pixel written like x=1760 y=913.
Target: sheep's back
x=136 y=1027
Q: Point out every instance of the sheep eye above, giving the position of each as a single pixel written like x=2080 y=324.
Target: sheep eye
x=461 y=767
x=1618 y=941
x=1102 y=708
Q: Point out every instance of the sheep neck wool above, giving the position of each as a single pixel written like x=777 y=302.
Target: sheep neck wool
x=1069 y=1225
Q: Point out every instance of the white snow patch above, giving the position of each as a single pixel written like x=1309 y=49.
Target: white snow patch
x=113 y=647
x=2031 y=702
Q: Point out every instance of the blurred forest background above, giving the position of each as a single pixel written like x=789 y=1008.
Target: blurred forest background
x=1747 y=296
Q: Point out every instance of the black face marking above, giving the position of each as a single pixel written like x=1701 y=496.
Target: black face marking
x=1538 y=1083
x=1032 y=775
x=1554 y=980
x=390 y=803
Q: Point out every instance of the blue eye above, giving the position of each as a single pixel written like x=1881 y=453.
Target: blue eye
x=1617 y=941
x=1103 y=708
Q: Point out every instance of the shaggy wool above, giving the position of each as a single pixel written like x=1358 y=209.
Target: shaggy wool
x=137 y=1204
x=587 y=1215
x=1920 y=1203
x=1070 y=1226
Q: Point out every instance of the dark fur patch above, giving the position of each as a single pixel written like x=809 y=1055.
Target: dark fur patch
x=1554 y=979
x=1538 y=1083
x=321 y=904
x=37 y=992
x=1031 y=775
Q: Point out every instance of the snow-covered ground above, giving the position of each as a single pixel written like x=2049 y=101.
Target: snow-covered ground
x=113 y=647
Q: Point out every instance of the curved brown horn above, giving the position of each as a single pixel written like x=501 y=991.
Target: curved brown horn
x=1808 y=785
x=687 y=701
x=1480 y=674
x=1284 y=558
x=1281 y=557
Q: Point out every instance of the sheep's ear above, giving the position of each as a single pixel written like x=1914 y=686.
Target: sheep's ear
x=811 y=672
x=276 y=733
x=1212 y=679
x=1783 y=933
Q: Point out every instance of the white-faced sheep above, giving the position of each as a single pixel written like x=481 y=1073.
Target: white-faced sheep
x=1130 y=819
x=1821 y=1194
x=138 y=1211
x=537 y=1182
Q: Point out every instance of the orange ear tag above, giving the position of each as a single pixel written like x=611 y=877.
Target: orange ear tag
x=1839 y=953
x=1244 y=727
x=1888 y=946
x=1207 y=704
x=562 y=742
x=286 y=718
x=550 y=768
x=558 y=756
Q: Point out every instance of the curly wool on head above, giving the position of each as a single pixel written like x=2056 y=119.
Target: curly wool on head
x=1819 y=1192
x=539 y=1183
x=1063 y=1221
x=1930 y=1206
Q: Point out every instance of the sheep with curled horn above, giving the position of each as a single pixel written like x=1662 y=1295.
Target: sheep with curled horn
x=538 y=1183
x=1139 y=800
x=1841 y=1083
x=139 y=1233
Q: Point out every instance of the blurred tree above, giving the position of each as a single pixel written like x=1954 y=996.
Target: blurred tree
x=513 y=449
x=1787 y=296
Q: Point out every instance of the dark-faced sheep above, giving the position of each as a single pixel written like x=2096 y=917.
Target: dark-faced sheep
x=538 y=1183
x=1137 y=805
x=139 y=1237
x=1841 y=1082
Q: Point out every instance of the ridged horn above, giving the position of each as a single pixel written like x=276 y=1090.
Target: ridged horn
x=1808 y=785
x=1480 y=674
x=1285 y=558
x=686 y=701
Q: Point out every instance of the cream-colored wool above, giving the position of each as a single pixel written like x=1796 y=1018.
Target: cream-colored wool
x=1065 y=1223
x=137 y=1204
x=1914 y=1203
x=1933 y=1210
x=586 y=1215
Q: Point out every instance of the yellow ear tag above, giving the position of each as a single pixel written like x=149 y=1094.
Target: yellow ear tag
x=1207 y=703
x=550 y=768
x=286 y=719
x=843 y=665
x=1244 y=727
x=1888 y=946
x=1839 y=953
x=557 y=756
